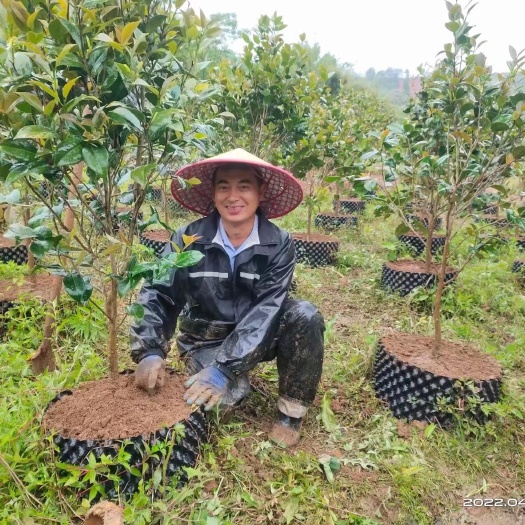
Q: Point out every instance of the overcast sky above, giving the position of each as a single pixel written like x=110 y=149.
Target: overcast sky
x=383 y=33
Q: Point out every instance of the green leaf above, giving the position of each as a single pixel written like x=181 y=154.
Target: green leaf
x=369 y=155
x=11 y=198
x=31 y=99
x=498 y=126
x=519 y=152
x=128 y=283
x=66 y=50
x=327 y=414
x=22 y=63
x=19 y=232
x=126 y=117
x=188 y=258
x=40 y=215
x=41 y=247
x=155 y=22
x=192 y=32
x=401 y=230
x=140 y=174
x=34 y=132
x=73 y=30
x=429 y=430
x=79 y=287
x=160 y=121
x=24 y=151
x=96 y=159
x=69 y=152
x=136 y=311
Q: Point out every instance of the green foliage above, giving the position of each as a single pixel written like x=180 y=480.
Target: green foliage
x=94 y=97
x=463 y=135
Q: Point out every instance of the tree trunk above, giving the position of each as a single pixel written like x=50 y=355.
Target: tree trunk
x=165 y=202
x=337 y=199
x=428 y=243
x=111 y=313
x=30 y=255
x=44 y=358
x=439 y=294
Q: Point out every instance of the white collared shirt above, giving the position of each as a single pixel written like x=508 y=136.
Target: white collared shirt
x=221 y=238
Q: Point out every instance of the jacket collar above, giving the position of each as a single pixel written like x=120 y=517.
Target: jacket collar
x=207 y=229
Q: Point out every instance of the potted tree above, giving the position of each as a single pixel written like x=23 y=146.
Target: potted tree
x=99 y=94
x=315 y=249
x=472 y=136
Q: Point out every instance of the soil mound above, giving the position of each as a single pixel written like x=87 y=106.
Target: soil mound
x=117 y=409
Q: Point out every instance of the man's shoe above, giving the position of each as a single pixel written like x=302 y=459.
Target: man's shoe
x=286 y=430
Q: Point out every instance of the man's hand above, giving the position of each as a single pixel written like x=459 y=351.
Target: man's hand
x=149 y=374
x=206 y=387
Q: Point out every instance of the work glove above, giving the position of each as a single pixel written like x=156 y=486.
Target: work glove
x=149 y=374
x=206 y=387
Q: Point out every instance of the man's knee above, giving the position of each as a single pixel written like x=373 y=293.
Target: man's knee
x=303 y=313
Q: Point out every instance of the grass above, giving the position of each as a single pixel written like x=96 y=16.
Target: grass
x=390 y=472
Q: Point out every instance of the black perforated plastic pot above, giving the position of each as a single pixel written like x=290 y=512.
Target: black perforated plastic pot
x=155 y=195
x=316 y=252
x=330 y=222
x=404 y=282
x=520 y=243
x=122 y=220
x=351 y=206
x=16 y=254
x=519 y=267
x=417 y=243
x=156 y=245
x=4 y=307
x=413 y=394
x=499 y=222
x=175 y=207
x=183 y=454
x=490 y=210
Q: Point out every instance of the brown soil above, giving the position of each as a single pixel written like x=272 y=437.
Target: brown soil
x=105 y=513
x=415 y=234
x=315 y=237
x=456 y=360
x=117 y=409
x=6 y=243
x=157 y=235
x=35 y=285
x=412 y=266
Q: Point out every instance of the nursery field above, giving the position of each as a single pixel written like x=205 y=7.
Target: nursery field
x=390 y=472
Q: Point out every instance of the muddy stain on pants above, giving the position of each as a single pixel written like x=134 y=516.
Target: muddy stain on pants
x=298 y=348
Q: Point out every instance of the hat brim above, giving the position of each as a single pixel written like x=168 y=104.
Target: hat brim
x=283 y=191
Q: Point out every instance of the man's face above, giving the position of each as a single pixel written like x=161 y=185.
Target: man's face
x=237 y=194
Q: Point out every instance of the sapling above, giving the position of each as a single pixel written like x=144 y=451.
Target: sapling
x=463 y=135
